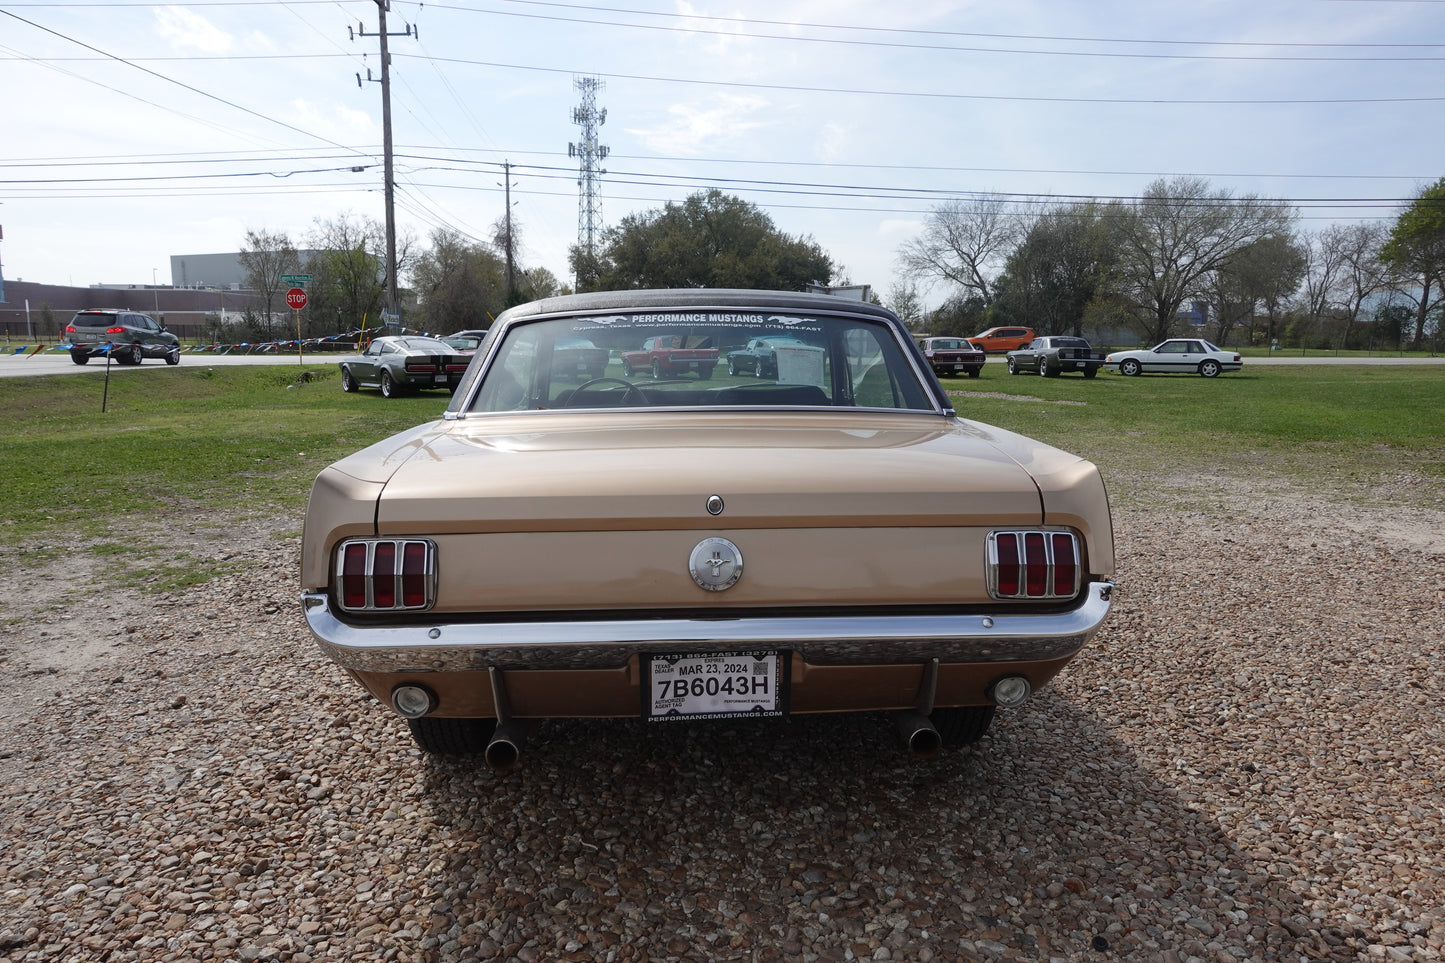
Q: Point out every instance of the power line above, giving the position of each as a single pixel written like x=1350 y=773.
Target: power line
x=951 y=95
x=171 y=80
x=794 y=38
x=879 y=29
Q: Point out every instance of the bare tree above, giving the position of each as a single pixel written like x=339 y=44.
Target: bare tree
x=1177 y=233
x=265 y=258
x=348 y=272
x=966 y=243
x=1362 y=273
x=1324 y=262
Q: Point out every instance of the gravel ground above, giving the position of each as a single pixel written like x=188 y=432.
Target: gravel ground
x=1246 y=764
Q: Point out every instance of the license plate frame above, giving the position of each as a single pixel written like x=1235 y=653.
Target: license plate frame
x=676 y=686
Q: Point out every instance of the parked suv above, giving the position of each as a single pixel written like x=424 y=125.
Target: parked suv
x=1002 y=339
x=131 y=337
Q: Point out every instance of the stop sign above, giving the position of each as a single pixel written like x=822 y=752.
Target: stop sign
x=296 y=299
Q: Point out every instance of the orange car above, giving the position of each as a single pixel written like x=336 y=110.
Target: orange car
x=1003 y=339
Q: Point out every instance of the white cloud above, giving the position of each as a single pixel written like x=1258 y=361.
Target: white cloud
x=896 y=227
x=189 y=31
x=333 y=122
x=691 y=129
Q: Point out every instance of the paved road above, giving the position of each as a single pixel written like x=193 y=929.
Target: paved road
x=56 y=363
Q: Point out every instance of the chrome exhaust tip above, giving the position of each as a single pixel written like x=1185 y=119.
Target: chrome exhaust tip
x=917 y=734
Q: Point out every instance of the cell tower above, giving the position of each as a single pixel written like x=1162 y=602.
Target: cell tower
x=590 y=154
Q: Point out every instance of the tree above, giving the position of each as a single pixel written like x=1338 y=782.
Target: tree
x=1064 y=263
x=904 y=301
x=348 y=282
x=265 y=258
x=1416 y=250
x=1177 y=233
x=1324 y=260
x=1362 y=273
x=460 y=285
x=959 y=316
x=1263 y=273
x=711 y=239
x=964 y=243
x=537 y=283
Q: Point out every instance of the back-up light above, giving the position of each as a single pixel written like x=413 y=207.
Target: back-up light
x=1033 y=565
x=386 y=574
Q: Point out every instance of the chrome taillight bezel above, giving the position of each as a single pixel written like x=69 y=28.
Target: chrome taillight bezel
x=1034 y=565
x=385 y=574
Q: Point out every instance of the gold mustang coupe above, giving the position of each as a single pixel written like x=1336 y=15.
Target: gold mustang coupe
x=825 y=536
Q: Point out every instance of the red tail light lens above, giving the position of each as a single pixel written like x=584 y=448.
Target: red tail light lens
x=115 y=330
x=414 y=575
x=386 y=574
x=353 y=576
x=383 y=575
x=1033 y=565
x=1036 y=565
x=1005 y=564
x=1064 y=551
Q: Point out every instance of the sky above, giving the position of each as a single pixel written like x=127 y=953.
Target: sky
x=133 y=131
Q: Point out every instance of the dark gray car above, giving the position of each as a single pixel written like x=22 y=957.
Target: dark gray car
x=127 y=336
x=400 y=363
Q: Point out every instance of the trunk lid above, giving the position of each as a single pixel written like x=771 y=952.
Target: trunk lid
x=603 y=514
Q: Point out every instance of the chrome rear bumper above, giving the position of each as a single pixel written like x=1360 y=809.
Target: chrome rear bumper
x=820 y=640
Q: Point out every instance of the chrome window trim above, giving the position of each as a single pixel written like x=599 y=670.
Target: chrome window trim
x=460 y=407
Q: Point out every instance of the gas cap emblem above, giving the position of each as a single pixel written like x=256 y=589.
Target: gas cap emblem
x=714 y=505
x=715 y=564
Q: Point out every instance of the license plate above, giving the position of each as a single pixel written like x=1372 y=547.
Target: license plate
x=958 y=367
x=715 y=685
x=440 y=379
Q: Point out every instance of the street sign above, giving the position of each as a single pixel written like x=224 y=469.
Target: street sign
x=296 y=280
x=296 y=299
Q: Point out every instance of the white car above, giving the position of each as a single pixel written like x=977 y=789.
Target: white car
x=1177 y=355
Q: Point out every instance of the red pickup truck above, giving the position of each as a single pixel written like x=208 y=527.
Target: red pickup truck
x=671 y=355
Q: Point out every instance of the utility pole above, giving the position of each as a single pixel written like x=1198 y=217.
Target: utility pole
x=511 y=261
x=382 y=6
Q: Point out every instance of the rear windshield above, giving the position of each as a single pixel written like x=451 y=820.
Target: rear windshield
x=94 y=320
x=700 y=359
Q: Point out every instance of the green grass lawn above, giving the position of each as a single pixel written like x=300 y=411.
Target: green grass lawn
x=176 y=442
x=1334 y=428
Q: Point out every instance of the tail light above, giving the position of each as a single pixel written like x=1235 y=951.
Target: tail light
x=386 y=574
x=1033 y=565
x=115 y=330
x=420 y=367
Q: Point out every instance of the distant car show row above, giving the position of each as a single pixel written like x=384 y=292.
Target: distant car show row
x=396 y=364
